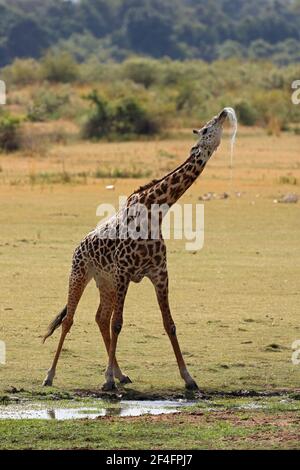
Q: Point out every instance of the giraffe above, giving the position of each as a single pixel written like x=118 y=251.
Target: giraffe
x=114 y=259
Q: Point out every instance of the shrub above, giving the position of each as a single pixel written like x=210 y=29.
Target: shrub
x=9 y=133
x=246 y=114
x=130 y=118
x=273 y=108
x=99 y=122
x=22 y=72
x=124 y=118
x=46 y=105
x=59 y=67
x=142 y=71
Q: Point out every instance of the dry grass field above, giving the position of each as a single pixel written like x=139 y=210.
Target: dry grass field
x=236 y=302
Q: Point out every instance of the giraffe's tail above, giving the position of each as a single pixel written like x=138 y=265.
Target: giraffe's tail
x=56 y=322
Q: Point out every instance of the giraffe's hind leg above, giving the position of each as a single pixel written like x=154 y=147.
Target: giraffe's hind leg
x=122 y=283
x=103 y=319
x=77 y=284
x=160 y=282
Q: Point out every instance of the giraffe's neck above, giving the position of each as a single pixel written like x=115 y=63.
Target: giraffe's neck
x=171 y=187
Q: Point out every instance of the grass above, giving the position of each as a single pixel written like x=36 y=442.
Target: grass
x=121 y=173
x=236 y=302
x=288 y=179
x=196 y=430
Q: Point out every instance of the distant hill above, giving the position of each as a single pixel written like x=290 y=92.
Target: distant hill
x=179 y=29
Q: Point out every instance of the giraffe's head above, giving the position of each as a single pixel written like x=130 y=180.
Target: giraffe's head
x=210 y=134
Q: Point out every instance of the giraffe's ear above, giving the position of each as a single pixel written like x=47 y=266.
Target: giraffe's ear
x=195 y=131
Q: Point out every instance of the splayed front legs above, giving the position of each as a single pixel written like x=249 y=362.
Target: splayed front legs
x=110 y=314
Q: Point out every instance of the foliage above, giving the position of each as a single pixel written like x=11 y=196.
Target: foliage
x=59 y=67
x=47 y=104
x=9 y=133
x=179 y=29
x=99 y=121
x=246 y=114
x=124 y=118
x=22 y=72
x=136 y=96
x=141 y=71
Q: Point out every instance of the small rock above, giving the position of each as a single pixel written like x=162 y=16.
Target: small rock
x=224 y=196
x=206 y=197
x=209 y=196
x=290 y=198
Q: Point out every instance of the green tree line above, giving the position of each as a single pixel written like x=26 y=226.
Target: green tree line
x=178 y=29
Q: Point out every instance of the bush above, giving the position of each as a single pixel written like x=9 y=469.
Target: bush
x=273 y=108
x=9 y=133
x=246 y=114
x=99 y=122
x=131 y=119
x=47 y=105
x=22 y=72
x=141 y=71
x=59 y=67
x=125 y=118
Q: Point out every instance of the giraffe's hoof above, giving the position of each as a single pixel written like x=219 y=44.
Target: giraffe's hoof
x=47 y=383
x=125 y=380
x=191 y=385
x=109 y=387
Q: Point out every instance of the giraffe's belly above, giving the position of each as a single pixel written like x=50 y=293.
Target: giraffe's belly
x=101 y=275
x=137 y=278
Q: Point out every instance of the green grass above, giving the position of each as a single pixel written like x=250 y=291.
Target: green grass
x=112 y=434
x=213 y=424
x=205 y=430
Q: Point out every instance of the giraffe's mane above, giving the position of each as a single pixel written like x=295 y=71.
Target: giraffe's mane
x=147 y=186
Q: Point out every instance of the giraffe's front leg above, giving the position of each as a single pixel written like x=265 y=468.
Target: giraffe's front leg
x=116 y=326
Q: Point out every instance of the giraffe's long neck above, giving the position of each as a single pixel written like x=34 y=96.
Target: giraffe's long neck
x=171 y=187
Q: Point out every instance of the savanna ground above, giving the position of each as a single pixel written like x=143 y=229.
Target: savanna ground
x=235 y=302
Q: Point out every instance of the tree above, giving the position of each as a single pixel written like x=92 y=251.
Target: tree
x=27 y=39
x=149 y=32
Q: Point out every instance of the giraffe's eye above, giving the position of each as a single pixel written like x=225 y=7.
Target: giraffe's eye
x=204 y=131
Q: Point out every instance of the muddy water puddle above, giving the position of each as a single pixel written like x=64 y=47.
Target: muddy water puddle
x=92 y=410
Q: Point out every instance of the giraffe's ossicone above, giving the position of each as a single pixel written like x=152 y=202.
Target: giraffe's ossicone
x=128 y=248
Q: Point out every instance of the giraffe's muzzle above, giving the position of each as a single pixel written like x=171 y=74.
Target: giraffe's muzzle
x=222 y=116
